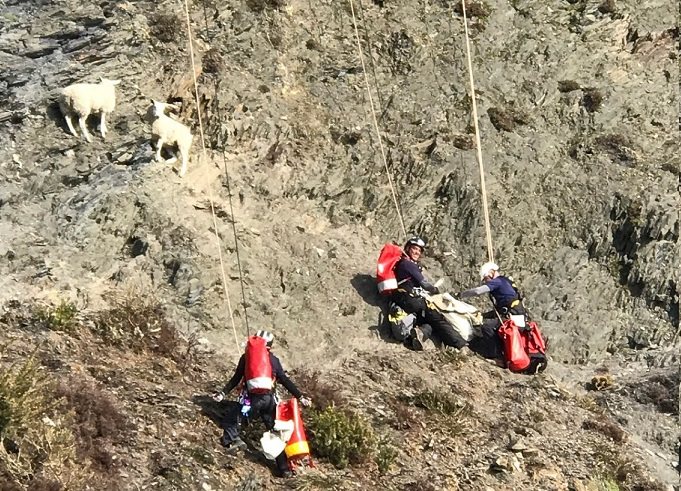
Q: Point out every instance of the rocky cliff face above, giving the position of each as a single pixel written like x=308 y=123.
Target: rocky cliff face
x=578 y=117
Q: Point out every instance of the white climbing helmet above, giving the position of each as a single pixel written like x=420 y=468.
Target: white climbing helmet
x=486 y=268
x=267 y=336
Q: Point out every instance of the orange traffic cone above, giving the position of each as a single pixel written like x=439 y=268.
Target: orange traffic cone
x=297 y=449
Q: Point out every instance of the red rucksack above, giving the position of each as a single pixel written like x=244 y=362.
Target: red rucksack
x=258 y=369
x=524 y=349
x=385 y=274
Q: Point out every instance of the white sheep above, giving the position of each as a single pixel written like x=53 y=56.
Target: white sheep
x=168 y=131
x=85 y=99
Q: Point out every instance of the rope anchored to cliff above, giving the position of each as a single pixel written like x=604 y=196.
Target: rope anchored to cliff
x=485 y=209
x=210 y=193
x=375 y=121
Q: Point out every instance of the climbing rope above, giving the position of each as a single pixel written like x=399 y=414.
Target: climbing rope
x=488 y=230
x=375 y=120
x=210 y=193
x=228 y=184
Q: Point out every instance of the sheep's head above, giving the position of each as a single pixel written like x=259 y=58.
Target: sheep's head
x=109 y=81
x=158 y=108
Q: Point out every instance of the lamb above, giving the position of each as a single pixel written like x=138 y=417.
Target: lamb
x=166 y=130
x=84 y=99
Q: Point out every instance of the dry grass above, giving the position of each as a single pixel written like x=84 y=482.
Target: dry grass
x=660 y=390
x=592 y=100
x=262 y=5
x=405 y=417
x=322 y=393
x=607 y=7
x=98 y=421
x=605 y=427
x=167 y=28
x=600 y=382
x=212 y=61
x=463 y=142
x=506 y=119
x=617 y=147
x=568 y=85
x=37 y=450
x=474 y=8
x=316 y=481
x=440 y=402
x=138 y=322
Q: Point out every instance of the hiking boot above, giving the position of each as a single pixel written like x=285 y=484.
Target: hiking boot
x=286 y=474
x=417 y=339
x=234 y=446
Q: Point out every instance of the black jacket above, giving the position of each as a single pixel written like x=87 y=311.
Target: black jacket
x=409 y=276
x=277 y=371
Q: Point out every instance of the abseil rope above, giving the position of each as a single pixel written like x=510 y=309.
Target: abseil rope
x=373 y=115
x=229 y=186
x=210 y=193
x=488 y=231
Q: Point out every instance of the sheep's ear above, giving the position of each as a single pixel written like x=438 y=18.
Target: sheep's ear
x=115 y=82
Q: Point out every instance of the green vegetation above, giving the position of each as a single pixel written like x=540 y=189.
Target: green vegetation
x=607 y=484
x=440 y=402
x=385 y=456
x=341 y=437
x=60 y=318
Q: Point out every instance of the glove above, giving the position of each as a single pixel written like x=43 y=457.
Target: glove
x=306 y=401
x=218 y=396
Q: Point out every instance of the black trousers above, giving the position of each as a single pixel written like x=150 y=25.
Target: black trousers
x=263 y=406
x=441 y=328
x=488 y=344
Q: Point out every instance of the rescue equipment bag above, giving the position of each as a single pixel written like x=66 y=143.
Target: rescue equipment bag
x=524 y=349
x=258 y=369
x=535 y=347
x=400 y=322
x=385 y=274
x=516 y=358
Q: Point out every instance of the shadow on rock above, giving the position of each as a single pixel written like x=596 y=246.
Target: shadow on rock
x=382 y=329
x=365 y=286
x=54 y=114
x=251 y=431
x=217 y=412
